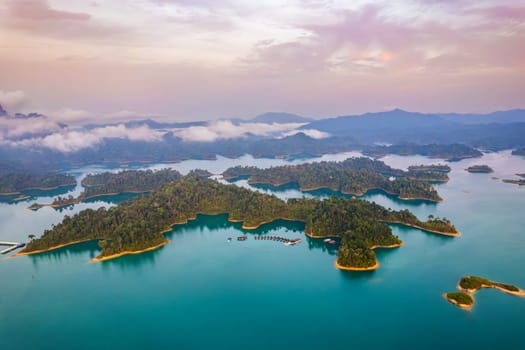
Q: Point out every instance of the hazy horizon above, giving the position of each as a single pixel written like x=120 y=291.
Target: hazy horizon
x=91 y=61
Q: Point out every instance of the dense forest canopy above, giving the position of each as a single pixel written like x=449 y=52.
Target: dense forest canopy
x=139 y=223
x=127 y=181
x=17 y=182
x=352 y=176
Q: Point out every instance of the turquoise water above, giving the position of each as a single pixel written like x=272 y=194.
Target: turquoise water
x=200 y=291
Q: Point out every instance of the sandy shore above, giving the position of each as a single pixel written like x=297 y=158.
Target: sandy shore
x=348 y=268
x=52 y=248
x=370 y=268
x=471 y=292
x=311 y=235
x=388 y=246
x=262 y=223
x=104 y=258
x=450 y=234
x=462 y=306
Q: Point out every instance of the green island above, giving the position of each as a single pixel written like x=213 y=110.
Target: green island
x=139 y=224
x=479 y=169
x=15 y=183
x=429 y=173
x=111 y=184
x=469 y=285
x=354 y=176
x=520 y=182
x=455 y=151
x=440 y=168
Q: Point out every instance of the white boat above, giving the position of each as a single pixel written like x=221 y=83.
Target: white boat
x=293 y=242
x=326 y=240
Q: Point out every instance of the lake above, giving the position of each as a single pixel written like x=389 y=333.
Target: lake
x=201 y=291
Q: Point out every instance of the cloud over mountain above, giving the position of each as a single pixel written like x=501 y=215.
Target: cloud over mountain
x=226 y=129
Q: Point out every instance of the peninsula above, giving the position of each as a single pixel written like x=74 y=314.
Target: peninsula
x=111 y=184
x=469 y=285
x=354 y=176
x=139 y=224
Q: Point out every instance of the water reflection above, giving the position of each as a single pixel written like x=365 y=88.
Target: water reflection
x=325 y=193
x=436 y=238
x=32 y=194
x=50 y=193
x=132 y=261
x=65 y=253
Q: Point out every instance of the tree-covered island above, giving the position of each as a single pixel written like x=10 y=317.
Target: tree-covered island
x=469 y=285
x=15 y=183
x=354 y=176
x=479 y=169
x=138 y=224
x=110 y=184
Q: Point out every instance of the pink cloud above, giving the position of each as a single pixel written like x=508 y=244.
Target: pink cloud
x=41 y=11
x=501 y=12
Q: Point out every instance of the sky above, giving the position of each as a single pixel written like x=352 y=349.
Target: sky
x=83 y=61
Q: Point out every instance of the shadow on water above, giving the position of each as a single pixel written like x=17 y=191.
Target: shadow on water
x=49 y=193
x=220 y=222
x=68 y=252
x=112 y=199
x=357 y=275
x=32 y=194
x=132 y=261
x=437 y=238
x=208 y=222
x=318 y=243
x=323 y=193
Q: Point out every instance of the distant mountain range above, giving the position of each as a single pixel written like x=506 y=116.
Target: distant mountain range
x=505 y=129
x=458 y=136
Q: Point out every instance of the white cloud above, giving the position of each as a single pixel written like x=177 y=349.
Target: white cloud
x=313 y=133
x=79 y=116
x=12 y=100
x=13 y=127
x=68 y=140
x=225 y=129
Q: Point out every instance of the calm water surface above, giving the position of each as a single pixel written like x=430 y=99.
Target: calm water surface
x=202 y=292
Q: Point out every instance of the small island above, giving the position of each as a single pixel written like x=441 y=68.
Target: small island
x=429 y=173
x=16 y=183
x=469 y=285
x=520 y=182
x=354 y=176
x=139 y=224
x=440 y=168
x=479 y=169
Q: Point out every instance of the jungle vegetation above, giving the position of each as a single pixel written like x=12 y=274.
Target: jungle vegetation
x=139 y=223
x=352 y=176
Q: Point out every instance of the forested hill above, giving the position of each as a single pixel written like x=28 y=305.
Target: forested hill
x=127 y=181
x=15 y=182
x=139 y=223
x=352 y=176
